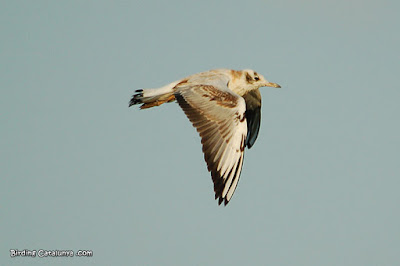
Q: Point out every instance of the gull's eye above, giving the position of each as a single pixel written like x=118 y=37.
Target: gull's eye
x=256 y=78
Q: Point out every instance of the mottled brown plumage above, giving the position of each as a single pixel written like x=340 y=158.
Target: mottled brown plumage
x=225 y=108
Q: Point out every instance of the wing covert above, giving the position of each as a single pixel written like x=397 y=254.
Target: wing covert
x=219 y=117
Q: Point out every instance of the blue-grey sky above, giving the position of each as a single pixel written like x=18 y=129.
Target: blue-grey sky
x=82 y=171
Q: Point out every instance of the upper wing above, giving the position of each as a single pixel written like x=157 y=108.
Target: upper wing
x=253 y=116
x=219 y=117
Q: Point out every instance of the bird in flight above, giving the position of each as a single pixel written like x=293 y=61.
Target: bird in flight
x=225 y=107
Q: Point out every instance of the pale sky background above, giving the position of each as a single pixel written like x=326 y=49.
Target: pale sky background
x=81 y=170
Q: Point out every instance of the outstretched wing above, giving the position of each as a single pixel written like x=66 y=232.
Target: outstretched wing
x=253 y=116
x=219 y=116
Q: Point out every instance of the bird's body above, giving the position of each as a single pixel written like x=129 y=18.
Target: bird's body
x=225 y=107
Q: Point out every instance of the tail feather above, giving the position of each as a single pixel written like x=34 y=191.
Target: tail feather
x=154 y=97
x=136 y=98
x=150 y=98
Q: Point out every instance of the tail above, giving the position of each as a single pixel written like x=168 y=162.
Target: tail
x=153 y=97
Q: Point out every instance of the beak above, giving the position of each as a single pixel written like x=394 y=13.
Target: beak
x=270 y=84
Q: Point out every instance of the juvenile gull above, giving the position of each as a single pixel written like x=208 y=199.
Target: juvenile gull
x=225 y=107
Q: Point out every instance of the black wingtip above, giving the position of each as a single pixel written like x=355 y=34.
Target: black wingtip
x=220 y=200
x=136 y=98
x=226 y=202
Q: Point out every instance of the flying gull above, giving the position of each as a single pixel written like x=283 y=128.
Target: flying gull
x=225 y=107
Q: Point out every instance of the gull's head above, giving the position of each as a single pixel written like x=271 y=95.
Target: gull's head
x=248 y=80
x=255 y=80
